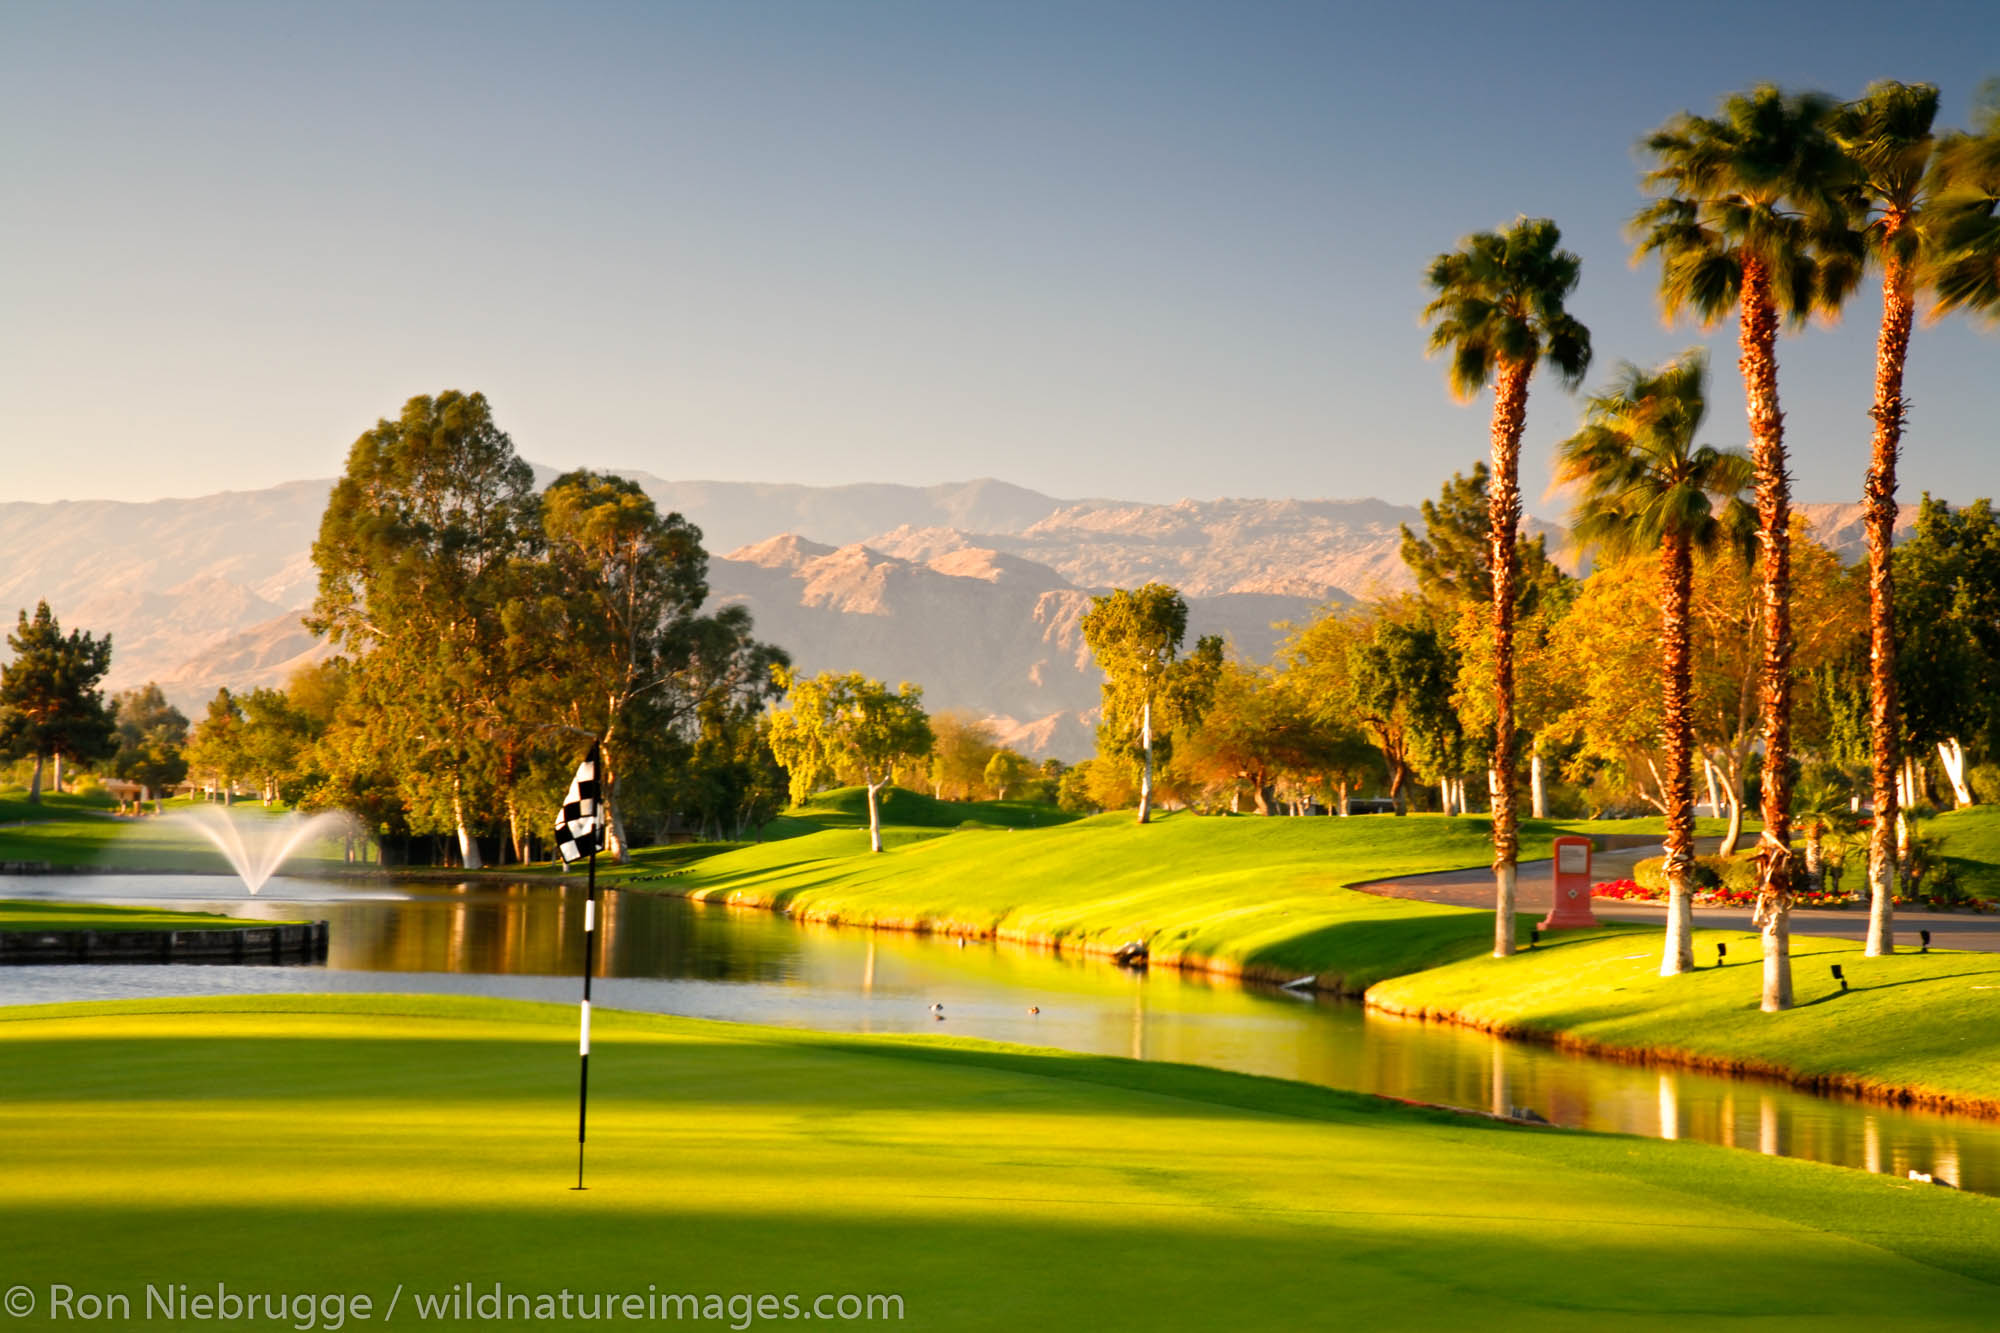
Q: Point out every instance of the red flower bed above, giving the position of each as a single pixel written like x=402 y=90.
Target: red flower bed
x=1625 y=889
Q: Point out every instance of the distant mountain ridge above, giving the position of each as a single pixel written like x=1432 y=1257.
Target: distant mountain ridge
x=973 y=589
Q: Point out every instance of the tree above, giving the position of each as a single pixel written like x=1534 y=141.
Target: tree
x=1148 y=688
x=1751 y=214
x=1452 y=561
x=152 y=735
x=1965 y=266
x=1887 y=134
x=419 y=553
x=1498 y=310
x=1256 y=733
x=633 y=581
x=1609 y=641
x=216 y=748
x=1371 y=667
x=848 y=728
x=962 y=746
x=50 y=705
x=1008 y=770
x=1073 y=789
x=1644 y=485
x=1948 y=631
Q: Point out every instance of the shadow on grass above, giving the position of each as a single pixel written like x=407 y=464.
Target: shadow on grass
x=1372 y=949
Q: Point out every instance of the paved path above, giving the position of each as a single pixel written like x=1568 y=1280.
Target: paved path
x=1536 y=889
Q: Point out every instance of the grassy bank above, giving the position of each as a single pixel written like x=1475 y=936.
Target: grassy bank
x=1263 y=897
x=1922 y=1027
x=45 y=916
x=1969 y=840
x=352 y=1144
x=1257 y=897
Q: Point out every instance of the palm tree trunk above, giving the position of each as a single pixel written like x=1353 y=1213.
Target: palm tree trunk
x=1758 y=346
x=1892 y=347
x=1676 y=699
x=874 y=814
x=1503 y=513
x=1540 y=795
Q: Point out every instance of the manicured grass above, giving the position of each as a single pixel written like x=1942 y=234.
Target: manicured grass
x=1929 y=1023
x=1970 y=841
x=16 y=807
x=1254 y=895
x=37 y=915
x=351 y=1144
x=847 y=807
x=77 y=837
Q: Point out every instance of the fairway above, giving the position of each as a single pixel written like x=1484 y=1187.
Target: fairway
x=354 y=1145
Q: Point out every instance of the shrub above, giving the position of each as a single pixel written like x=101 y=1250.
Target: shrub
x=1734 y=874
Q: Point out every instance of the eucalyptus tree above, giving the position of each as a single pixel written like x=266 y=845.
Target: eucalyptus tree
x=1498 y=310
x=1751 y=213
x=630 y=582
x=848 y=727
x=1136 y=636
x=419 y=554
x=50 y=703
x=1643 y=484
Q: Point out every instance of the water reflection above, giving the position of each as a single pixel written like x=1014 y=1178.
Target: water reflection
x=671 y=956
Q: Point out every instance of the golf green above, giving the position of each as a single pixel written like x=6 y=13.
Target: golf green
x=344 y=1146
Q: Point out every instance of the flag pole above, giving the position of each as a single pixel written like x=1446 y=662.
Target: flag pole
x=583 y=1034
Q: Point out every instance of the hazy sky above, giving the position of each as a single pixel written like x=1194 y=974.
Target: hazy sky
x=1145 y=250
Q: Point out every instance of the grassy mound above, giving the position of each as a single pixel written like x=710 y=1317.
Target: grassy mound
x=362 y=1144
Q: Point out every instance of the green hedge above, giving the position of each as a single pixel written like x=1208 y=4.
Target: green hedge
x=1737 y=873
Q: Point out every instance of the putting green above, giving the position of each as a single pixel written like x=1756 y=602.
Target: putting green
x=352 y=1144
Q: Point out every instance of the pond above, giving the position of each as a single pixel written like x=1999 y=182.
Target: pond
x=709 y=961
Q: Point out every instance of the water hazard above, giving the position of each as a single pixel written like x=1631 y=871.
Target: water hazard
x=672 y=956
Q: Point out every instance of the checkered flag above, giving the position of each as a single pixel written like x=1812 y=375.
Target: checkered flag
x=577 y=831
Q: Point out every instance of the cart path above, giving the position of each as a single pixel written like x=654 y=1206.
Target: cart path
x=1536 y=893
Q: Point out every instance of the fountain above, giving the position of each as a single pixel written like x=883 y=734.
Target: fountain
x=257 y=845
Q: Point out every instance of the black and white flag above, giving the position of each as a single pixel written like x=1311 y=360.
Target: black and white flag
x=577 y=831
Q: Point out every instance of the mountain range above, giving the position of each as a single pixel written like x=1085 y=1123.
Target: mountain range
x=975 y=590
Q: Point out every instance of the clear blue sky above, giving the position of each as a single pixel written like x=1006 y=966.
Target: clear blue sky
x=1145 y=250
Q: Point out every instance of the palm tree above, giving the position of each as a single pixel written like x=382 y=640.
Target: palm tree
x=1644 y=485
x=1751 y=214
x=1965 y=272
x=1925 y=200
x=1499 y=310
x=1888 y=135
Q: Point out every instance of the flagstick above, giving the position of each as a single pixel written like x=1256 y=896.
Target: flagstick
x=583 y=1039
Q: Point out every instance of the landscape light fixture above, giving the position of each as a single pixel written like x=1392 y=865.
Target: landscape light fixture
x=1837 y=976
x=1721 y=954
x=1534 y=936
x=1927 y=941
